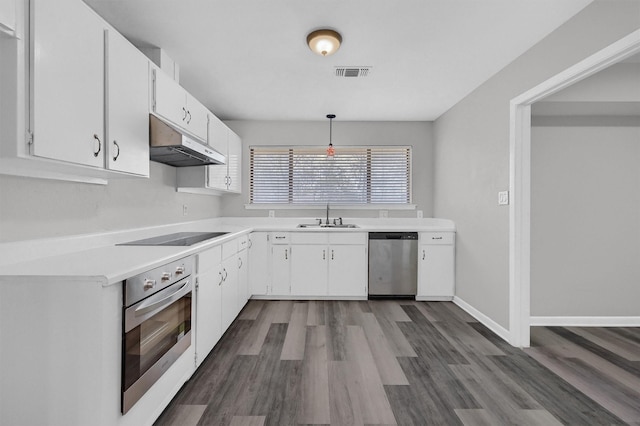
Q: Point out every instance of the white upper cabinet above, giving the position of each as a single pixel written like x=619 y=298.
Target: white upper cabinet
x=7 y=16
x=197 y=117
x=174 y=104
x=127 y=106
x=227 y=177
x=67 y=60
x=234 y=158
x=218 y=134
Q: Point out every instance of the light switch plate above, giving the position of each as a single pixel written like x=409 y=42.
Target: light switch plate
x=184 y=210
x=272 y=213
x=503 y=198
x=384 y=214
x=420 y=214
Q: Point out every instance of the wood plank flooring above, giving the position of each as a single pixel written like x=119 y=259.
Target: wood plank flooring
x=406 y=363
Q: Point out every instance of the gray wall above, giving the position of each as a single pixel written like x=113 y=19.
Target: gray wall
x=472 y=151
x=585 y=221
x=37 y=208
x=417 y=134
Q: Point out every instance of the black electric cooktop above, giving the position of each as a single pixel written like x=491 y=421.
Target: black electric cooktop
x=177 y=239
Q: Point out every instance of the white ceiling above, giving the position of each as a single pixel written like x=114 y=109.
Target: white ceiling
x=248 y=59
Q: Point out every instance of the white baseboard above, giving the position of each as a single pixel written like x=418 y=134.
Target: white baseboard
x=290 y=297
x=586 y=321
x=434 y=298
x=502 y=332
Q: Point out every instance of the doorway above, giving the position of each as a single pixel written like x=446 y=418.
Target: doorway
x=520 y=177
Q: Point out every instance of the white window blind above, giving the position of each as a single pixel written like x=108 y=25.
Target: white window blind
x=304 y=175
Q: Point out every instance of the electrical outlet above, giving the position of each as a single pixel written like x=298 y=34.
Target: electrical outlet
x=420 y=214
x=384 y=214
x=503 y=198
x=184 y=210
x=272 y=213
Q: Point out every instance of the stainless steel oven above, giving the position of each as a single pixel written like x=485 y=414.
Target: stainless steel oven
x=156 y=327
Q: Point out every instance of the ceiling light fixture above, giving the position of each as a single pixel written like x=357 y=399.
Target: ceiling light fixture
x=331 y=151
x=324 y=42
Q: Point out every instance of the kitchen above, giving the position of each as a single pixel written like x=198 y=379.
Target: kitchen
x=457 y=172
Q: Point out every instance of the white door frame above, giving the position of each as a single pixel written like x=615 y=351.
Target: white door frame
x=520 y=177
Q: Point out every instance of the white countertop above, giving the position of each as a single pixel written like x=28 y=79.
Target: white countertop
x=97 y=258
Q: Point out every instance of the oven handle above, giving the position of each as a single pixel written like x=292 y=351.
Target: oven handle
x=150 y=305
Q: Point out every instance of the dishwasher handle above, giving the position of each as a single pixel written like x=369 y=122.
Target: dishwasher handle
x=393 y=235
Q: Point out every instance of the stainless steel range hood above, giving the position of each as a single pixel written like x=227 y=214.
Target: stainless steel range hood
x=170 y=146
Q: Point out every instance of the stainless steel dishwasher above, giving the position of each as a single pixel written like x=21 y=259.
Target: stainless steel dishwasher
x=393 y=264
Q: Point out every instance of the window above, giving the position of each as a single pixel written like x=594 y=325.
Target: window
x=304 y=175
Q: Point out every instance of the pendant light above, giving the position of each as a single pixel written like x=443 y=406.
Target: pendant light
x=331 y=152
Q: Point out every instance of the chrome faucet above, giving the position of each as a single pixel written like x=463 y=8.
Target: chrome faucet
x=327 y=214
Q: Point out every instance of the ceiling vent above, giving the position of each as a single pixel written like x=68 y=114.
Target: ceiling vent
x=352 y=71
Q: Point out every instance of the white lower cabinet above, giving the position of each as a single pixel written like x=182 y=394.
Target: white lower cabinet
x=229 y=291
x=208 y=301
x=258 y=263
x=348 y=270
x=436 y=266
x=280 y=270
x=328 y=264
x=243 y=278
x=309 y=270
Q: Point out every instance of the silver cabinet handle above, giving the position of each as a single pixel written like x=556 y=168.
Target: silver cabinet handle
x=286 y=254
x=331 y=254
x=189 y=120
x=239 y=263
x=424 y=254
x=184 y=110
x=226 y=274
x=115 y=157
x=324 y=254
x=221 y=277
x=250 y=243
x=95 y=154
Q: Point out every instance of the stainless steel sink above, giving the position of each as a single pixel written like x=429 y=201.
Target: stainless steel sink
x=330 y=225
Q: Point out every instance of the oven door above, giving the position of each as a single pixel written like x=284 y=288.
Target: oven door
x=157 y=330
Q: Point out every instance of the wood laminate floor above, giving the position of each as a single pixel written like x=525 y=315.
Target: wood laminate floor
x=406 y=363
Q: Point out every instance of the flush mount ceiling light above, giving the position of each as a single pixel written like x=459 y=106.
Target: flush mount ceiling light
x=324 y=42
x=331 y=152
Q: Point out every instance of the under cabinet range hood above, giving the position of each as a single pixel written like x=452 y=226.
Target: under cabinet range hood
x=170 y=146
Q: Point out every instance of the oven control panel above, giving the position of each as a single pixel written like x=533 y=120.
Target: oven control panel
x=147 y=283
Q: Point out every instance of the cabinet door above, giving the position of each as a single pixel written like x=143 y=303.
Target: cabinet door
x=436 y=271
x=196 y=121
x=348 y=270
x=217 y=135
x=127 y=107
x=229 y=308
x=67 y=60
x=259 y=263
x=170 y=99
x=208 y=315
x=217 y=175
x=280 y=270
x=7 y=15
x=234 y=159
x=243 y=279
x=309 y=270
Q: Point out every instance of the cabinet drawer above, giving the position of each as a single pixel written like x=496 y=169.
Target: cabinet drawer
x=229 y=248
x=437 y=237
x=280 y=238
x=309 y=238
x=243 y=243
x=348 y=238
x=209 y=259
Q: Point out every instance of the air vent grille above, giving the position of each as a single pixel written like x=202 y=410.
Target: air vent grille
x=352 y=71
